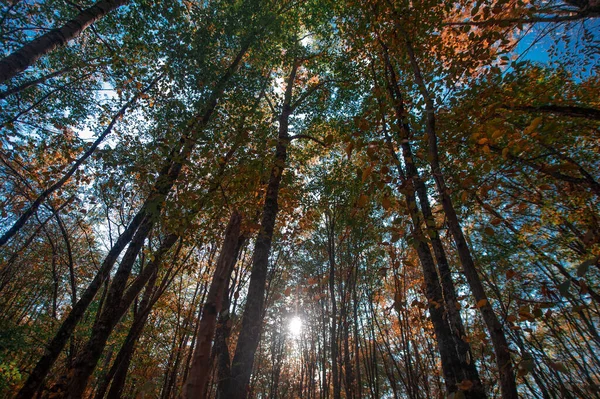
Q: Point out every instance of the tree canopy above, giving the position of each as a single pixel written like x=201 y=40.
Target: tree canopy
x=300 y=199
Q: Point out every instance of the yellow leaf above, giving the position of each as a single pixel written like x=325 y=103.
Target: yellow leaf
x=483 y=141
x=534 y=124
x=505 y=153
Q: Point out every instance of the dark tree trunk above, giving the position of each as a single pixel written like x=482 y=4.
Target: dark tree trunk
x=453 y=368
x=501 y=349
x=196 y=384
x=330 y=225
x=118 y=372
x=243 y=360
x=24 y=57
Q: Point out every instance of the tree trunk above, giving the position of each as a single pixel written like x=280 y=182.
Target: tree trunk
x=243 y=360
x=451 y=364
x=118 y=371
x=196 y=384
x=24 y=57
x=330 y=225
x=501 y=349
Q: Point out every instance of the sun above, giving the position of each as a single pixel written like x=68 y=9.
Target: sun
x=295 y=326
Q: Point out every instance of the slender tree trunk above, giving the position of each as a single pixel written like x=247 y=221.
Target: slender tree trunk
x=330 y=225
x=117 y=374
x=196 y=384
x=24 y=57
x=56 y=345
x=451 y=364
x=501 y=348
x=243 y=360
x=113 y=310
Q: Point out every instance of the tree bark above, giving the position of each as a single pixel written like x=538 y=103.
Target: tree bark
x=196 y=384
x=24 y=57
x=453 y=368
x=118 y=371
x=501 y=349
x=243 y=360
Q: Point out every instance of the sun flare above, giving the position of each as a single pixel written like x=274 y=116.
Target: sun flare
x=295 y=326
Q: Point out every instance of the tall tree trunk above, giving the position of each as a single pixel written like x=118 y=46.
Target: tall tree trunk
x=24 y=57
x=118 y=371
x=249 y=337
x=114 y=308
x=330 y=225
x=501 y=349
x=196 y=384
x=453 y=368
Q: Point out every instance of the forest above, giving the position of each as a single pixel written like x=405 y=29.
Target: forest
x=316 y=199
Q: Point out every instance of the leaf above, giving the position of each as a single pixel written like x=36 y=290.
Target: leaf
x=510 y=273
x=457 y=395
x=366 y=173
x=349 y=149
x=533 y=125
x=362 y=200
x=329 y=139
x=481 y=303
x=558 y=366
x=583 y=268
x=465 y=385
x=489 y=231
x=288 y=291
x=483 y=141
x=386 y=203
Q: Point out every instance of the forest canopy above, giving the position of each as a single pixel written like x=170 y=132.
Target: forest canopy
x=300 y=199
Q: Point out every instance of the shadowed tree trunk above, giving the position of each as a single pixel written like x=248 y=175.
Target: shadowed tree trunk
x=24 y=57
x=501 y=349
x=196 y=384
x=118 y=371
x=243 y=360
x=453 y=368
